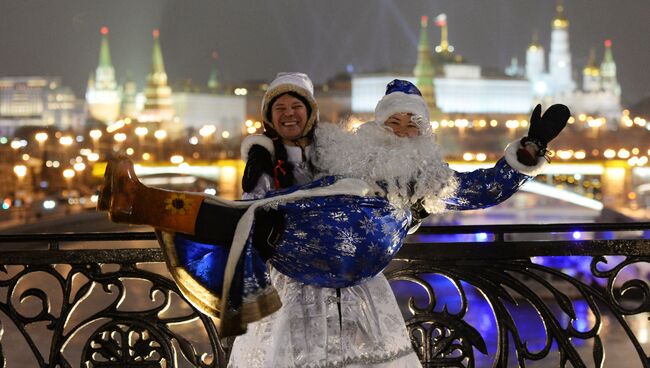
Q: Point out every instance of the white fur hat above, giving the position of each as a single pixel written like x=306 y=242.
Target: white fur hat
x=298 y=83
x=401 y=97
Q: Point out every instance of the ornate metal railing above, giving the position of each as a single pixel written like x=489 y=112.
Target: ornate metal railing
x=110 y=307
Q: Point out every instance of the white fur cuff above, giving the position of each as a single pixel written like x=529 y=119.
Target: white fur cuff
x=511 y=159
x=258 y=139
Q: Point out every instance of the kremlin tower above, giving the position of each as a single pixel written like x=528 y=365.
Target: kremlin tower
x=559 y=57
x=591 y=74
x=158 y=95
x=423 y=71
x=103 y=94
x=608 y=71
x=535 y=65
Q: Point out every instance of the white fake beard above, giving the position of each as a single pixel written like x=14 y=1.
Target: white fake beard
x=374 y=154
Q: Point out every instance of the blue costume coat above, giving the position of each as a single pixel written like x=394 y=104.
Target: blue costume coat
x=332 y=238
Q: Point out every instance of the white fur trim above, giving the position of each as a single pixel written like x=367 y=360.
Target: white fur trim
x=400 y=102
x=511 y=159
x=258 y=139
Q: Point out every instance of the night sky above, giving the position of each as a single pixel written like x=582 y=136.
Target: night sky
x=257 y=38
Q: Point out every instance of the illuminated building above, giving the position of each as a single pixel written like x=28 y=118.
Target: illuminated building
x=463 y=88
x=459 y=87
x=103 y=94
x=225 y=112
x=37 y=101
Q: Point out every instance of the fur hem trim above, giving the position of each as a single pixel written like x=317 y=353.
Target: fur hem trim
x=397 y=102
x=511 y=159
x=258 y=139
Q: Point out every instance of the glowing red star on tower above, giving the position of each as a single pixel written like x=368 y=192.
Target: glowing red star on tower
x=104 y=31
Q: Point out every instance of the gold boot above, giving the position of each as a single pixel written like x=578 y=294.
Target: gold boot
x=135 y=203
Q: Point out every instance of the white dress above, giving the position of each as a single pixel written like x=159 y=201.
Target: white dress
x=316 y=328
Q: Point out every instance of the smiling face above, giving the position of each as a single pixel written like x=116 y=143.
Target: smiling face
x=289 y=117
x=402 y=125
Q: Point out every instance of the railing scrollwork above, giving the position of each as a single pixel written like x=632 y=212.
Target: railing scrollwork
x=495 y=303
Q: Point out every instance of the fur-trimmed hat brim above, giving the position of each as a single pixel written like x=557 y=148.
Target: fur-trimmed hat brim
x=400 y=102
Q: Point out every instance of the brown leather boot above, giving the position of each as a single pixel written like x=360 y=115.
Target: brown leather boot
x=135 y=203
x=104 y=199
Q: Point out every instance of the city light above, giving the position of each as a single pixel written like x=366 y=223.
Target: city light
x=95 y=134
x=623 y=153
x=41 y=137
x=207 y=130
x=160 y=134
x=79 y=166
x=115 y=126
x=609 y=153
x=68 y=173
x=176 y=159
x=20 y=171
x=141 y=131
x=66 y=140
x=120 y=137
x=225 y=134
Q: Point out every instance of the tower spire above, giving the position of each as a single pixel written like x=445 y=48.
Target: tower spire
x=591 y=74
x=423 y=70
x=157 y=64
x=560 y=21
x=158 y=103
x=104 y=51
x=213 y=81
x=444 y=47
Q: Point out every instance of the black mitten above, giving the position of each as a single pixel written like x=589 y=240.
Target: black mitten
x=543 y=129
x=259 y=162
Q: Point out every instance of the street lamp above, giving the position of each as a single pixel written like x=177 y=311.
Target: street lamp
x=68 y=174
x=119 y=137
x=206 y=132
x=141 y=132
x=95 y=134
x=20 y=171
x=160 y=135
